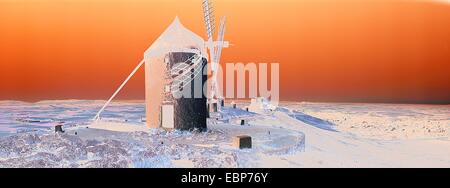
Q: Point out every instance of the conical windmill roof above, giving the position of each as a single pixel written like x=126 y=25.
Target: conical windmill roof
x=176 y=38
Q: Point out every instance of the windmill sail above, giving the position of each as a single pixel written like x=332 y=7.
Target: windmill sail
x=220 y=38
x=208 y=15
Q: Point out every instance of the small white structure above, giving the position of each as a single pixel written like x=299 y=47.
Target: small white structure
x=261 y=105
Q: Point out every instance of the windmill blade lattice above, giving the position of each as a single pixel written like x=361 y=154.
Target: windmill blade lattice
x=184 y=72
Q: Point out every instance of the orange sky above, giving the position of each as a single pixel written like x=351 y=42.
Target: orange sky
x=373 y=51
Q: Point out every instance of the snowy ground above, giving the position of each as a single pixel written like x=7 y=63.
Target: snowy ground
x=383 y=121
x=18 y=116
x=295 y=135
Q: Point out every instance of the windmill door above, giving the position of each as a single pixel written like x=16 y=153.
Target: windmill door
x=167 y=116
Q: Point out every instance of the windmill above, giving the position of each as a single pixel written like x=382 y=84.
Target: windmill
x=172 y=62
x=214 y=48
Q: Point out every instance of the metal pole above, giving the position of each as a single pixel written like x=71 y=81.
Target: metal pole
x=97 y=117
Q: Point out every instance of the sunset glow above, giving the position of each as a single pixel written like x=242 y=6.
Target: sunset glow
x=358 y=51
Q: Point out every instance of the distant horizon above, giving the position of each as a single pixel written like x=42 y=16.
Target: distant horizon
x=236 y=100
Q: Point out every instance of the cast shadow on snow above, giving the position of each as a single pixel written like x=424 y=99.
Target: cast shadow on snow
x=310 y=120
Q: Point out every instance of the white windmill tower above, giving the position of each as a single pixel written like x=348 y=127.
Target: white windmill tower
x=215 y=51
x=171 y=63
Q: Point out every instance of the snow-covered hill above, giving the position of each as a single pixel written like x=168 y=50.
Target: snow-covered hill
x=293 y=135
